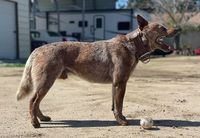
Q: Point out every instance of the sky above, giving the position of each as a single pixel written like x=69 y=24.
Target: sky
x=121 y=2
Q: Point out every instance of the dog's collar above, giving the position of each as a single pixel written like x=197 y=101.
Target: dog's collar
x=143 y=52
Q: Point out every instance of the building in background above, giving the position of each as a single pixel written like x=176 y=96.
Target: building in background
x=102 y=20
x=14 y=29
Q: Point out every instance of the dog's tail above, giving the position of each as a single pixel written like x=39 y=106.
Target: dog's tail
x=26 y=85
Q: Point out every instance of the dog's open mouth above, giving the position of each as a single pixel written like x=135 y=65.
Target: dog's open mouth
x=163 y=45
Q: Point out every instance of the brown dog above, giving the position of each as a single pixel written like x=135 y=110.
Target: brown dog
x=109 y=61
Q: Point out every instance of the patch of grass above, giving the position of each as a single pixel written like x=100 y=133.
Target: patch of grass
x=12 y=65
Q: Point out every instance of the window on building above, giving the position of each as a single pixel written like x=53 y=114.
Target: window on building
x=98 y=22
x=71 y=22
x=35 y=34
x=123 y=26
x=80 y=24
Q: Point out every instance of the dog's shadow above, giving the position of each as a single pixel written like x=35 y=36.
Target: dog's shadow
x=105 y=123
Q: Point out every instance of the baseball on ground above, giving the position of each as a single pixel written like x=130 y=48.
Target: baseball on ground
x=146 y=123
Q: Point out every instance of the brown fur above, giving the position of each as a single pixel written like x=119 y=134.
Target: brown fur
x=109 y=61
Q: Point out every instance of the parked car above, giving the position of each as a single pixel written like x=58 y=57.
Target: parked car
x=37 y=43
x=197 y=51
x=50 y=36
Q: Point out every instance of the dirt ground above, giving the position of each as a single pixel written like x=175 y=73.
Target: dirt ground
x=166 y=89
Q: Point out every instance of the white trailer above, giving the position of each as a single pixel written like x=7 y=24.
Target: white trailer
x=99 y=24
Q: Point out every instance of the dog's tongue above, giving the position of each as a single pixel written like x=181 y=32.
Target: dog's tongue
x=167 y=47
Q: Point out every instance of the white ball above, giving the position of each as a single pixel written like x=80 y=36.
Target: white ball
x=146 y=123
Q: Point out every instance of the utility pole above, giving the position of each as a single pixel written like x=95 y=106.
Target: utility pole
x=83 y=21
x=58 y=14
x=33 y=10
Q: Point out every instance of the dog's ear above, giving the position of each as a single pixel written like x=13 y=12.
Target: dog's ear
x=141 y=22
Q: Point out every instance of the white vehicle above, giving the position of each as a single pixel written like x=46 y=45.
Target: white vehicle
x=50 y=36
x=99 y=24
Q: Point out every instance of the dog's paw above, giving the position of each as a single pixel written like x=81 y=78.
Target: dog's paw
x=121 y=120
x=45 y=118
x=36 y=125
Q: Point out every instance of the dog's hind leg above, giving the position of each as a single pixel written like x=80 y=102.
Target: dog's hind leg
x=41 y=116
x=41 y=88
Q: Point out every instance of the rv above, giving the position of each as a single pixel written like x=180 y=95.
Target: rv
x=99 y=24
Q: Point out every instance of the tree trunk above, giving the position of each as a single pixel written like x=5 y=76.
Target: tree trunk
x=177 y=40
x=177 y=43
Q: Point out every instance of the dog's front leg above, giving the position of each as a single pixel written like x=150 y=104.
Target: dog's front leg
x=118 y=96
